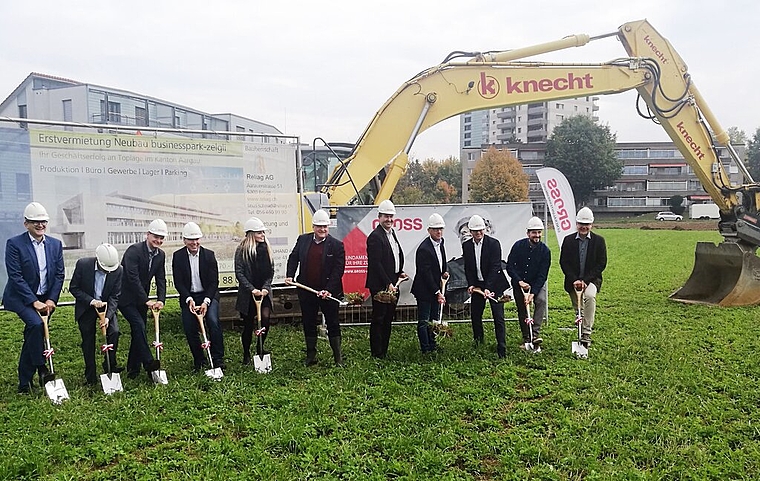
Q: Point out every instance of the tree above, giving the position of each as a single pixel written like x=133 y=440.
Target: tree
x=737 y=135
x=498 y=177
x=430 y=182
x=675 y=202
x=585 y=152
x=753 y=154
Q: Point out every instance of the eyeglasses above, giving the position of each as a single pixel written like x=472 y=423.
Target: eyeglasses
x=37 y=222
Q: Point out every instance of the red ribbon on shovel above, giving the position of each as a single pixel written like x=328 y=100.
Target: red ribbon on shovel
x=578 y=319
x=158 y=345
x=206 y=345
x=261 y=331
x=48 y=353
x=529 y=321
x=106 y=347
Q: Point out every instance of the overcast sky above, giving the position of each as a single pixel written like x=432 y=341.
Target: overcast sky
x=324 y=68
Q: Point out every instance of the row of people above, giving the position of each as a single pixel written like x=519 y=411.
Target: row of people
x=34 y=263
x=583 y=259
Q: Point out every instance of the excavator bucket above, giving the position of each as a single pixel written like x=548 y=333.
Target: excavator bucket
x=727 y=274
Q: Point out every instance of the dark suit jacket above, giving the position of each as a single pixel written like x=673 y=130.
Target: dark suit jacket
x=252 y=276
x=490 y=265
x=427 y=279
x=380 y=263
x=135 y=285
x=24 y=273
x=596 y=261
x=82 y=287
x=209 y=271
x=333 y=263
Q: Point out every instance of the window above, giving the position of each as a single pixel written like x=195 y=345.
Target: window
x=467 y=135
x=114 y=112
x=23 y=187
x=467 y=127
x=667 y=185
x=467 y=143
x=67 y=114
x=635 y=170
x=560 y=106
x=23 y=115
x=141 y=116
x=633 y=154
x=470 y=155
x=626 y=201
x=560 y=118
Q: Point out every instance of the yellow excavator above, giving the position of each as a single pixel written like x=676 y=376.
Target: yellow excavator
x=726 y=274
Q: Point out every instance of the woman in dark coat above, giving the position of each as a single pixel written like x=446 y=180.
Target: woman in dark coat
x=254 y=270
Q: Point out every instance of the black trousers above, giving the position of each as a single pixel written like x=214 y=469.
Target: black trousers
x=310 y=306
x=383 y=315
x=89 y=328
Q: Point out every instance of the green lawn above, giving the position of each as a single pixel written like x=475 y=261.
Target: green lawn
x=669 y=392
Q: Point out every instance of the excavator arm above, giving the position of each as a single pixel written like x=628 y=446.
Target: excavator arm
x=498 y=79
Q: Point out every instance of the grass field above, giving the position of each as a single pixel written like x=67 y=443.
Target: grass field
x=669 y=392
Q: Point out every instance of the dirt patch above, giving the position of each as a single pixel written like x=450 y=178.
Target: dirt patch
x=660 y=225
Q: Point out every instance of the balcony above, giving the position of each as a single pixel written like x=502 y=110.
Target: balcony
x=510 y=114
x=508 y=124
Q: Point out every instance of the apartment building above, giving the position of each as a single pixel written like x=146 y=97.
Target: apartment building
x=652 y=173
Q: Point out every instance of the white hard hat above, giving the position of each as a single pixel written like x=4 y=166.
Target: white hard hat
x=436 y=222
x=108 y=258
x=35 y=211
x=320 y=217
x=386 y=207
x=535 y=224
x=585 y=216
x=191 y=231
x=476 y=223
x=254 y=224
x=158 y=227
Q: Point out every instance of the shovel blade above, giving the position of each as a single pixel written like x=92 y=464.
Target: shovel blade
x=263 y=364
x=56 y=391
x=111 y=384
x=216 y=374
x=580 y=350
x=159 y=377
x=727 y=274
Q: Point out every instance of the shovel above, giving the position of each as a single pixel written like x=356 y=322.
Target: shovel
x=214 y=373
x=579 y=349
x=316 y=292
x=158 y=375
x=440 y=320
x=529 y=321
x=262 y=362
x=54 y=388
x=111 y=382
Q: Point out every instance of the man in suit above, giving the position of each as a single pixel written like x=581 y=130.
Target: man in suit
x=34 y=263
x=196 y=277
x=528 y=266
x=483 y=269
x=385 y=266
x=430 y=263
x=582 y=259
x=96 y=284
x=322 y=260
x=142 y=262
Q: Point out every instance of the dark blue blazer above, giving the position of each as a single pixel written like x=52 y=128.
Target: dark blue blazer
x=490 y=265
x=428 y=272
x=82 y=287
x=24 y=273
x=135 y=283
x=380 y=263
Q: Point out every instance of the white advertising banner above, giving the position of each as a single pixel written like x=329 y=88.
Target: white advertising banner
x=560 y=199
x=107 y=187
x=505 y=222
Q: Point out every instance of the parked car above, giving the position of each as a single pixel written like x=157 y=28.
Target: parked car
x=668 y=216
